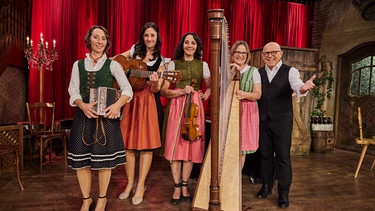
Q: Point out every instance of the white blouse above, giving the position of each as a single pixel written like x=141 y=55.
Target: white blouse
x=116 y=70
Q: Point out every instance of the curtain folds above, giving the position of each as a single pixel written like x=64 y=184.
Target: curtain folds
x=67 y=21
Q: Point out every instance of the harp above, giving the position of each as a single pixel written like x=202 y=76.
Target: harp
x=219 y=186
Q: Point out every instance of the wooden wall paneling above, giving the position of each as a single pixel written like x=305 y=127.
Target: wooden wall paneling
x=306 y=61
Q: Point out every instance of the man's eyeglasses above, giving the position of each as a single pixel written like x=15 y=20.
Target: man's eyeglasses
x=273 y=53
x=239 y=52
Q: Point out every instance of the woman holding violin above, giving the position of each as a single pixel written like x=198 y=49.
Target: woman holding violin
x=185 y=122
x=140 y=126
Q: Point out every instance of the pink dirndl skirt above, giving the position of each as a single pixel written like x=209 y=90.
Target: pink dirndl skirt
x=177 y=148
x=249 y=125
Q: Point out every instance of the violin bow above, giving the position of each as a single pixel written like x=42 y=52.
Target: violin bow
x=178 y=131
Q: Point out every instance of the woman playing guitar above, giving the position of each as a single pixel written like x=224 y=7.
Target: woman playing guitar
x=144 y=114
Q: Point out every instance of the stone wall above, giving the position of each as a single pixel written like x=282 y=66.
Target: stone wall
x=339 y=27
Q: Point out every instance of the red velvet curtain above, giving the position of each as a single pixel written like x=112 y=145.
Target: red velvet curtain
x=67 y=21
x=64 y=21
x=261 y=21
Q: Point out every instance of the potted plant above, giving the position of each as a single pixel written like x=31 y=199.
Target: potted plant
x=320 y=123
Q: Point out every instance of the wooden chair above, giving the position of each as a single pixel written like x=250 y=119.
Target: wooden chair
x=10 y=137
x=365 y=142
x=41 y=119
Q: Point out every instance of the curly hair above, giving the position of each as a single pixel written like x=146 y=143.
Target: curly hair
x=179 y=52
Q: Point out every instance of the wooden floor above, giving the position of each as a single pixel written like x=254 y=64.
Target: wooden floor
x=320 y=182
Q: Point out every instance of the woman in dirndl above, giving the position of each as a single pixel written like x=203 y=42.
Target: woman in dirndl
x=95 y=140
x=250 y=91
x=182 y=152
x=141 y=127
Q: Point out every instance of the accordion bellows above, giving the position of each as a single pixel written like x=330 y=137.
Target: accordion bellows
x=105 y=96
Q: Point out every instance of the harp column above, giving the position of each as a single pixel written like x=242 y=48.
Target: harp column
x=215 y=17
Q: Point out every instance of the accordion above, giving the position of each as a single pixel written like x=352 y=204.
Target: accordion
x=105 y=96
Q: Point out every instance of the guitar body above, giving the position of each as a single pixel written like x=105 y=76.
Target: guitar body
x=137 y=73
x=134 y=64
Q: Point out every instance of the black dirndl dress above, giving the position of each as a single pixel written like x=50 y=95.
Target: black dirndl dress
x=95 y=143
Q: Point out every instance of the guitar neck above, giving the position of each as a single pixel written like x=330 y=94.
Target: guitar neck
x=142 y=73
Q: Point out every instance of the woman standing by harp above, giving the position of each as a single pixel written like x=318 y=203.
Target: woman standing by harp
x=180 y=152
x=140 y=126
x=248 y=94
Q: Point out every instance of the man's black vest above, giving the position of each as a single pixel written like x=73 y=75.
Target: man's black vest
x=276 y=99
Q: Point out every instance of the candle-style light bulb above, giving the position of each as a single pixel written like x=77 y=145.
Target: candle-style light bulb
x=27 y=40
x=41 y=35
x=31 y=43
x=54 y=43
x=46 y=45
x=41 y=40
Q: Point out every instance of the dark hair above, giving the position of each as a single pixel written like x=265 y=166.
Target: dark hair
x=140 y=48
x=179 y=52
x=234 y=47
x=88 y=36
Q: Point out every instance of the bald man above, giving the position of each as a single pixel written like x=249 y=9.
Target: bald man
x=279 y=81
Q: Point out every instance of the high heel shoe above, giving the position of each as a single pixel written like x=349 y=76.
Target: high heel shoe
x=185 y=198
x=125 y=195
x=173 y=200
x=103 y=197
x=138 y=200
x=87 y=198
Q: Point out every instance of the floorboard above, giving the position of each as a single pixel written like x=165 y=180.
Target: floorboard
x=320 y=182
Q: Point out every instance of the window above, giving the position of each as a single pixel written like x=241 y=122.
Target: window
x=363 y=77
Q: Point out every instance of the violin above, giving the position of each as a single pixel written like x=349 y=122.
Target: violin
x=190 y=130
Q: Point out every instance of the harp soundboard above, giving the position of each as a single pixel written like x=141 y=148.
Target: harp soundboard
x=220 y=180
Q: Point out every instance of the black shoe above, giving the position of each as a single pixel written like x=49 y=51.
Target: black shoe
x=283 y=201
x=266 y=189
x=176 y=201
x=185 y=198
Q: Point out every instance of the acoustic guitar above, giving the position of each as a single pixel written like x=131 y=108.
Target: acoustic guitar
x=136 y=72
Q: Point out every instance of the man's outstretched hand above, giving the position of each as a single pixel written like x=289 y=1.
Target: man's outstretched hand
x=308 y=85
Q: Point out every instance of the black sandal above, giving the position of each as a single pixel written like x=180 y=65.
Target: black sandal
x=89 y=197
x=185 y=198
x=176 y=201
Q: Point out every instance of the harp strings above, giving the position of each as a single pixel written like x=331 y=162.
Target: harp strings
x=226 y=92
